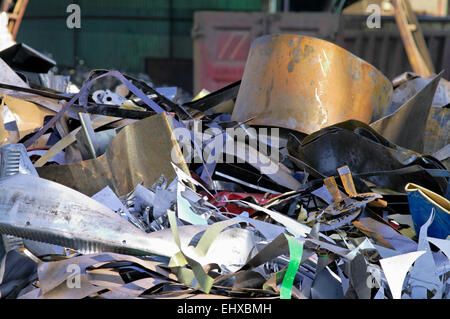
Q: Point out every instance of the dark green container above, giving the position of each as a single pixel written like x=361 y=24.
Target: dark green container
x=118 y=34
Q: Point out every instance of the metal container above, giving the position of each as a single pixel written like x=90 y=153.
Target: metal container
x=305 y=84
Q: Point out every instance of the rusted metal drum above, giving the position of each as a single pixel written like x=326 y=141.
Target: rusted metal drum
x=305 y=84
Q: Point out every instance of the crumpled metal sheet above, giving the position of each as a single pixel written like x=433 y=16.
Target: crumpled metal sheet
x=140 y=153
x=344 y=209
x=240 y=270
x=214 y=99
x=438 y=123
x=305 y=84
x=411 y=85
x=406 y=126
x=16 y=271
x=19 y=118
x=30 y=209
x=357 y=145
x=14 y=160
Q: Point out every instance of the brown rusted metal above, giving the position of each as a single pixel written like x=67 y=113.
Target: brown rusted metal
x=140 y=153
x=305 y=84
x=437 y=130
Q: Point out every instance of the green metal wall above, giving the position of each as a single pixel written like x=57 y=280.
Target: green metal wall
x=116 y=33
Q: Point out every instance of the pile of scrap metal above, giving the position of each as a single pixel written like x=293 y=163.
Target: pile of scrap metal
x=313 y=177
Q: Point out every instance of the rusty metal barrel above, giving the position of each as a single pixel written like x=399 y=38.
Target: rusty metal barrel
x=304 y=84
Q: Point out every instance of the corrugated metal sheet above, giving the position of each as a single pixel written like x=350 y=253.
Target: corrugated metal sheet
x=123 y=46
x=129 y=8
x=384 y=48
x=47 y=7
x=118 y=34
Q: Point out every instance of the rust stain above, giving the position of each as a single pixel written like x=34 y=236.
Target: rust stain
x=306 y=84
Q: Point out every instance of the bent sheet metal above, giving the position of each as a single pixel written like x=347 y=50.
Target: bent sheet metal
x=344 y=209
x=366 y=152
x=30 y=209
x=305 y=84
x=406 y=126
x=19 y=118
x=139 y=153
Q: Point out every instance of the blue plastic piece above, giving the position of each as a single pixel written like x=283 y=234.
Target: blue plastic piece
x=420 y=206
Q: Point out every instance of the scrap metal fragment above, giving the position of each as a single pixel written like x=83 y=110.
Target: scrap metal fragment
x=437 y=131
x=87 y=141
x=406 y=126
x=304 y=84
x=14 y=160
x=369 y=155
x=30 y=209
x=19 y=118
x=215 y=98
x=139 y=153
